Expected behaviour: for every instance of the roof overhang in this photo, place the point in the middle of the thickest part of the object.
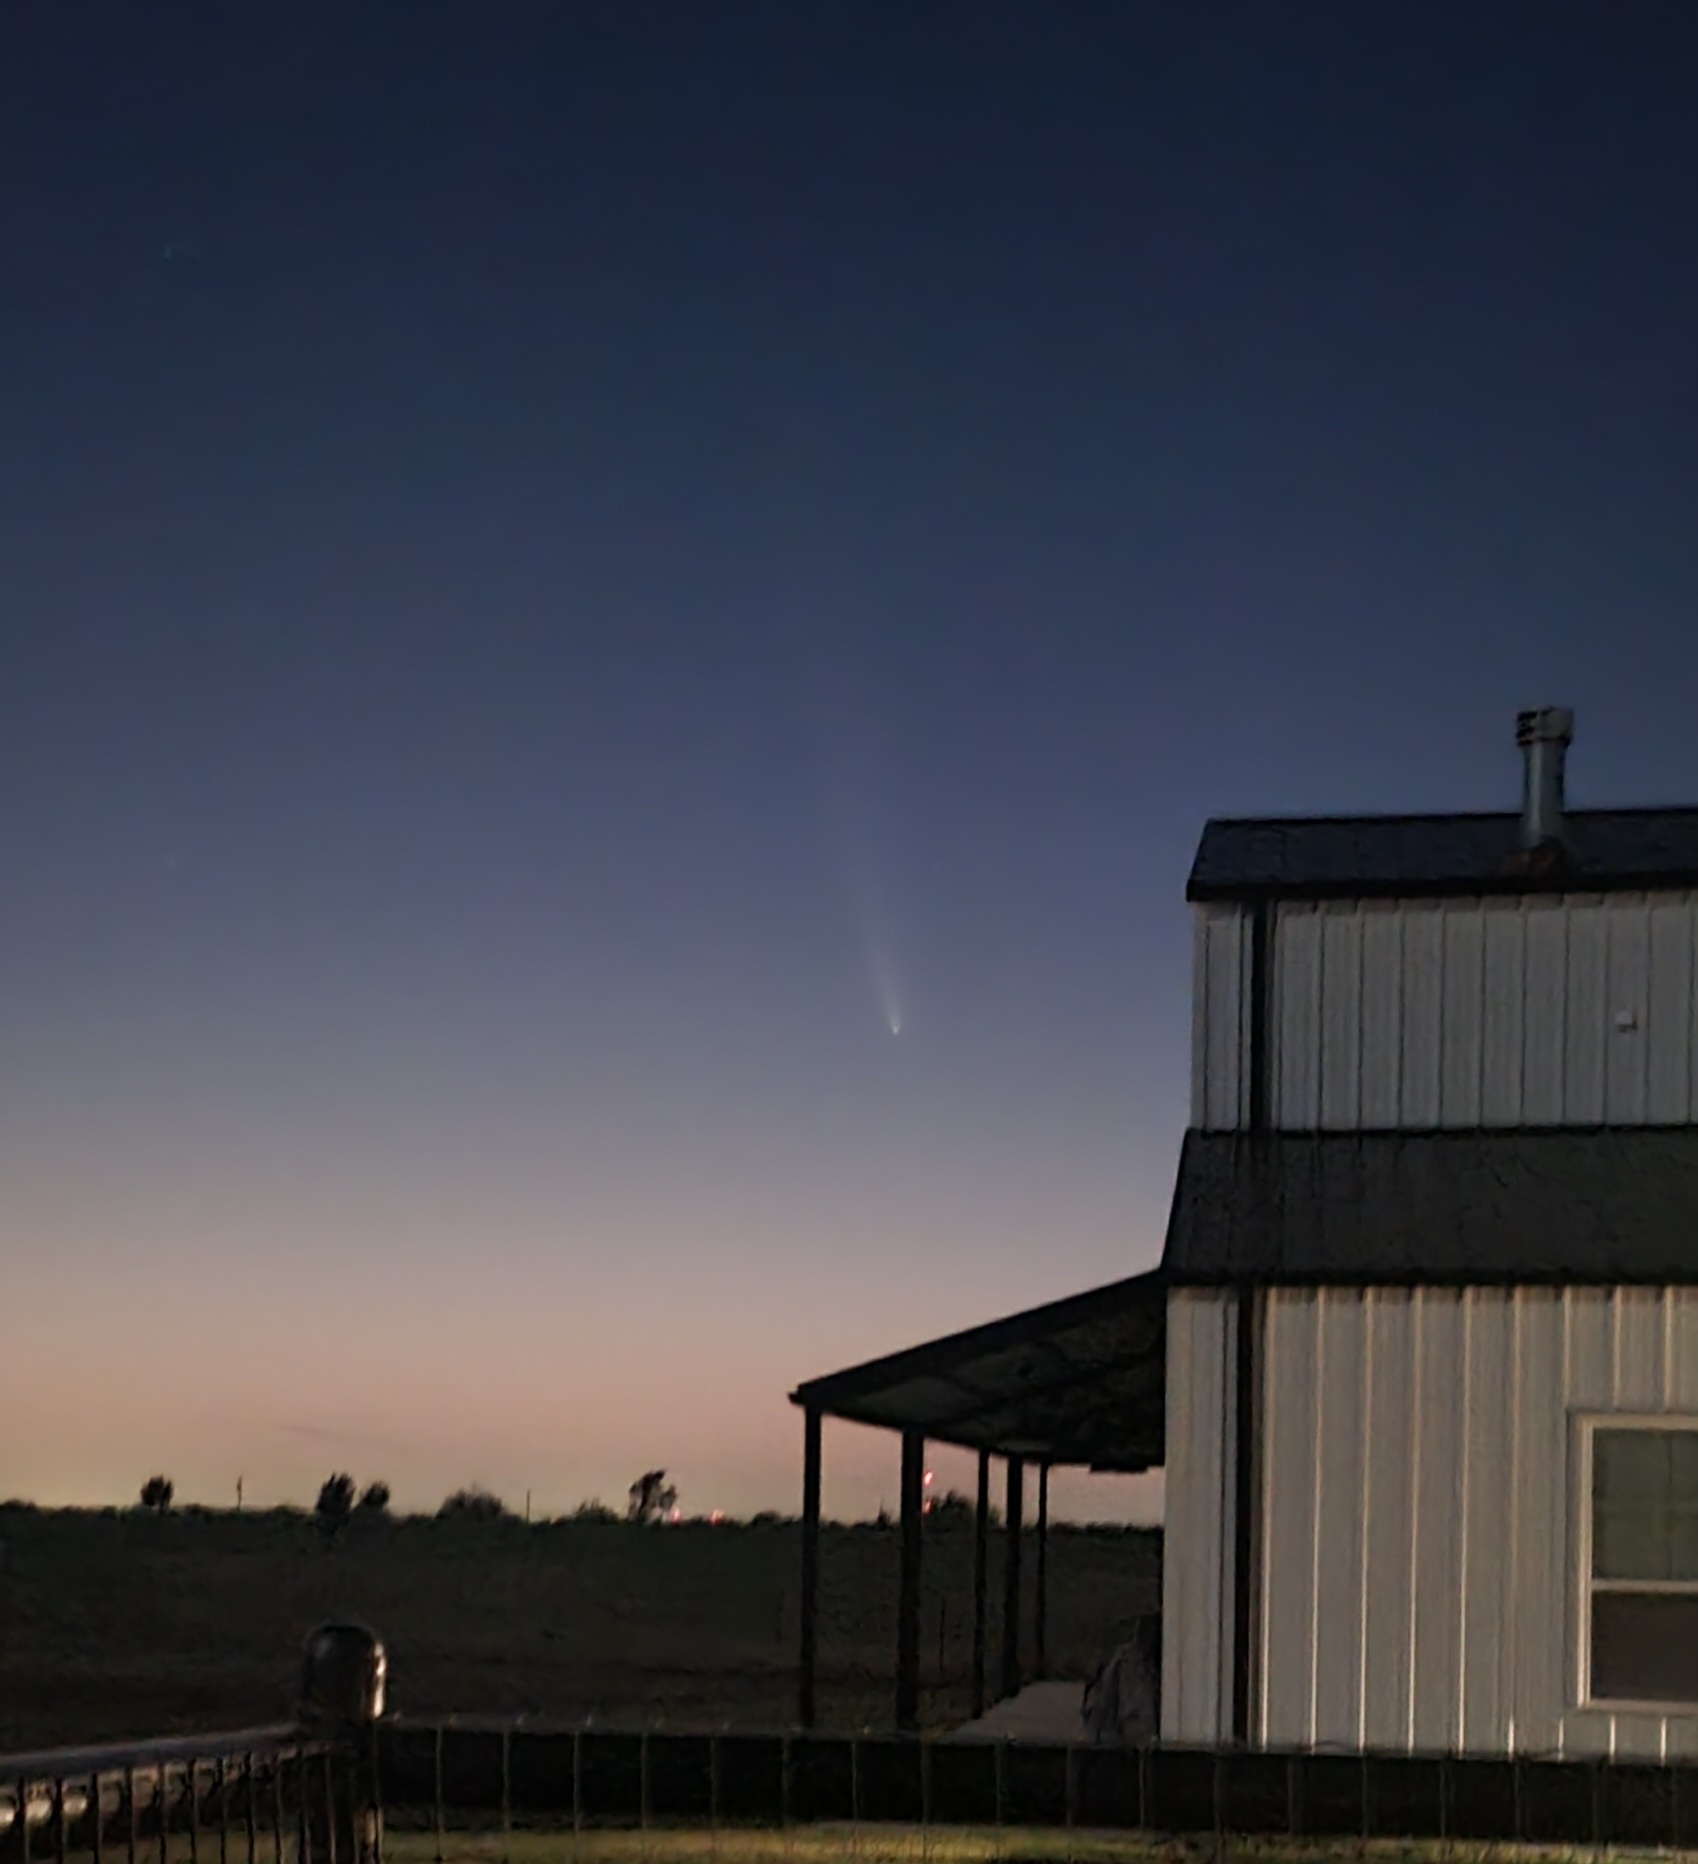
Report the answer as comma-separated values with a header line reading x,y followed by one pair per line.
x,y
1078,1382
1510,1206
1244,861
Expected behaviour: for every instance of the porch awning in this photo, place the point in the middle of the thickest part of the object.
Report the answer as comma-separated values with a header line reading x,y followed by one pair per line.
x,y
1079,1382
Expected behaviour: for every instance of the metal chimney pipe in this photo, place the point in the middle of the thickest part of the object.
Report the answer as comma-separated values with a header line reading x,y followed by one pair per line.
x,y
1544,734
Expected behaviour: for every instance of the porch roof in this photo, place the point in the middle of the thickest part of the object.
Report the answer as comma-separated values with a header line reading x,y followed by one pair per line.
x,y
1079,1382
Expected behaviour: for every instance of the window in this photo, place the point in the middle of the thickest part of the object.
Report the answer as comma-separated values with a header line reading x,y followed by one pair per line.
x,y
1644,1563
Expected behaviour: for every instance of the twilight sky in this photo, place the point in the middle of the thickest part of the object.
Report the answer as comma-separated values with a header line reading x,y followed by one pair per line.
x,y
565,566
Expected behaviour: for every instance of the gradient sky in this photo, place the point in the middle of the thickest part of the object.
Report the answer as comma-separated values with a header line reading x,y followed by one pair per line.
x,y
563,565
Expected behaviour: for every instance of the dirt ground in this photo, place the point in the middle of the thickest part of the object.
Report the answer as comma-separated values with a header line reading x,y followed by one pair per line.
x,y
116,1625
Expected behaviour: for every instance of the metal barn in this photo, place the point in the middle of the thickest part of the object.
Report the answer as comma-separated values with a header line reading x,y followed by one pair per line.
x,y
1433,1255
1431,1287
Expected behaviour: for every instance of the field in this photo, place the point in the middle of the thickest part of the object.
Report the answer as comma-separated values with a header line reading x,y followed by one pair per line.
x,y
116,1625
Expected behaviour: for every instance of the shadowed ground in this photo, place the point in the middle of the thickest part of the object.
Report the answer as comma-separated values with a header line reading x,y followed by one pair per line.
x,y
117,1625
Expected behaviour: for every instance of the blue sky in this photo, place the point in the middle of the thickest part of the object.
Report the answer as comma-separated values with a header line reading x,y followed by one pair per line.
x,y
566,567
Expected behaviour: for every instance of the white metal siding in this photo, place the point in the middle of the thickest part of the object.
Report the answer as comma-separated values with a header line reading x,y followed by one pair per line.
x,y
1420,1577
1197,1514
1220,1018
1576,1010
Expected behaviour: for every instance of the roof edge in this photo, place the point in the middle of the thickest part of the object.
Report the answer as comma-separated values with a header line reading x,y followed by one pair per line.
x,y
844,1387
1579,878
1681,1276
1486,886
1378,818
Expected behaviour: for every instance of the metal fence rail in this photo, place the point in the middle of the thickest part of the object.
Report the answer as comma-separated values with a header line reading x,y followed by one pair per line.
x,y
256,1794
437,1774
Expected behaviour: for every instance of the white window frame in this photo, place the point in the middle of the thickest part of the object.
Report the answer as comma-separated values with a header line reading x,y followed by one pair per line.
x,y
1590,1425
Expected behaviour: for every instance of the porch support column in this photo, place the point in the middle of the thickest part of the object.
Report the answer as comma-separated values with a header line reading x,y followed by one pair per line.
x,y
981,1582
908,1598
1040,1631
1011,1578
809,1654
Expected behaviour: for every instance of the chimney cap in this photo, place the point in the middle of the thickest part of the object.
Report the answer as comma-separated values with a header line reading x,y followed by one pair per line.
x,y
1544,734
1545,724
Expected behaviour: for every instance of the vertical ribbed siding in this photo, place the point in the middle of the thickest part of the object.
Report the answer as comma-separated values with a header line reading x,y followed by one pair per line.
x,y
1197,1577
1220,1015
1420,1577
1388,1503
1576,1010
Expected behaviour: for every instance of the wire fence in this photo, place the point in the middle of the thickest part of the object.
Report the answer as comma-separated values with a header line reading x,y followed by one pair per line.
x,y
504,1785
348,1784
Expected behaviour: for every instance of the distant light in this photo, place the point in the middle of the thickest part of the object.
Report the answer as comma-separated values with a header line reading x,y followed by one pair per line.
x,y
716,1517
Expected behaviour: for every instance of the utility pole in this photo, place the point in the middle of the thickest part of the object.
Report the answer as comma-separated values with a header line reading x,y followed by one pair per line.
x,y
238,1495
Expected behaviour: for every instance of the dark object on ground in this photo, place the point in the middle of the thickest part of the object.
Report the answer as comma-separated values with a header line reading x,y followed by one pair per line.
x,y
1123,1700
343,1678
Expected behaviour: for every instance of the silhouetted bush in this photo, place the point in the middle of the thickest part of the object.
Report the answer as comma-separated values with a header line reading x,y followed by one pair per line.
x,y
157,1493
652,1498
375,1500
335,1500
473,1504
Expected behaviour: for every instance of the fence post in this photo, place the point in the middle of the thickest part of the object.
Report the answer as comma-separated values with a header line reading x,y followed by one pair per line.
x,y
344,1674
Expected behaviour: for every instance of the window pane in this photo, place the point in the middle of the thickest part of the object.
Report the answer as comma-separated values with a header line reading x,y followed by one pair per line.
x,y
1644,1647
1630,1468
1645,1504
1683,1467
1631,1546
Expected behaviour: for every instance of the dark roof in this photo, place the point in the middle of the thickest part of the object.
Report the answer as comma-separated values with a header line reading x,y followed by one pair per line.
x,y
1079,1381
1355,856
1554,1204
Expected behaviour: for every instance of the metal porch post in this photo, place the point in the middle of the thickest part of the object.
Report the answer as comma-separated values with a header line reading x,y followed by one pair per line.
x,y
1011,1578
1040,1632
809,1652
981,1585
908,1600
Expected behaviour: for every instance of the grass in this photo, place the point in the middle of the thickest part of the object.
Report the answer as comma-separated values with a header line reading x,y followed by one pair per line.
x,y
116,1626
896,1844
872,1844
878,1844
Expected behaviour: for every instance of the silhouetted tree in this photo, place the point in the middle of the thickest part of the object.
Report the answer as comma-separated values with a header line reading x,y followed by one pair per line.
x,y
597,1511
158,1493
375,1500
335,1500
652,1497
473,1504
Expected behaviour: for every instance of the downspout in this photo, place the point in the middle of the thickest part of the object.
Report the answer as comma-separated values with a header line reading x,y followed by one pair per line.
x,y
1247,1369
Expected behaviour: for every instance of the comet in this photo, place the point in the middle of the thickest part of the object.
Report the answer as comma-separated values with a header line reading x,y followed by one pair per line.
x,y
884,984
